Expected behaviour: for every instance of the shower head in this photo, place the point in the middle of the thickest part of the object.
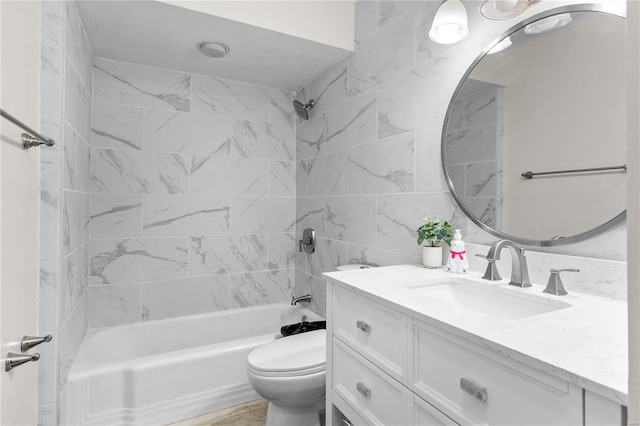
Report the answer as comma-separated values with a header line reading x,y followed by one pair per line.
x,y
303,109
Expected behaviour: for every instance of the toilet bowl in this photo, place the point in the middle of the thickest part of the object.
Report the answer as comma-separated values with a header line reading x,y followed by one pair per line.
x,y
290,373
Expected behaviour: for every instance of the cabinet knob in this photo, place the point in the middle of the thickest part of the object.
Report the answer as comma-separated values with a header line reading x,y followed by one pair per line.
x,y
473,389
363,389
363,326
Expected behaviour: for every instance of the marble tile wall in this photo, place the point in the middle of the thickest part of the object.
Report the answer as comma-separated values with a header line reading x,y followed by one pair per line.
x,y
192,194
368,159
66,87
474,147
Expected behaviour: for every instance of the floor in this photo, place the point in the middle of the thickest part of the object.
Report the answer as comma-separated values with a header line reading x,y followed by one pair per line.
x,y
252,413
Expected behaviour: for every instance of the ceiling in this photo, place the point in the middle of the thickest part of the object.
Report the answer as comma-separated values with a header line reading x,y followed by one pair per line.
x,y
163,35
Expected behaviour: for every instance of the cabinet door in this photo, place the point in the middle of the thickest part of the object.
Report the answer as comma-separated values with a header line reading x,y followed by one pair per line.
x,y
599,411
476,386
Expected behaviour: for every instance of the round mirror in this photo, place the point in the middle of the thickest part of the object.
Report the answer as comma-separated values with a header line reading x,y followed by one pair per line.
x,y
534,141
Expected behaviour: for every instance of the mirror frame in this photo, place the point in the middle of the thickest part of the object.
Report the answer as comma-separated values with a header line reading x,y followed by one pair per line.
x,y
616,221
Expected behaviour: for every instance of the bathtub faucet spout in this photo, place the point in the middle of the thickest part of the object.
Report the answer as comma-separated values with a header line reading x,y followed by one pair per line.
x,y
305,298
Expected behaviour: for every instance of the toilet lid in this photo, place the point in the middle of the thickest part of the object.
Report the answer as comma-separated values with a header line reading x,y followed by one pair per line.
x,y
303,353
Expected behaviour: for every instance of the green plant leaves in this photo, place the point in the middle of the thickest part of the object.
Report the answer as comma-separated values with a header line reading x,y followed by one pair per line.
x,y
434,231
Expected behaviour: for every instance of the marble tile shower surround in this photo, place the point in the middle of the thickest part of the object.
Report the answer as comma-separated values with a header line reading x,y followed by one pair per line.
x,y
368,159
66,87
474,149
193,194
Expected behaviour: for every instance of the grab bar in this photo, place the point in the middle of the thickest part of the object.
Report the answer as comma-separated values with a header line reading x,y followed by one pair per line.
x,y
530,174
28,141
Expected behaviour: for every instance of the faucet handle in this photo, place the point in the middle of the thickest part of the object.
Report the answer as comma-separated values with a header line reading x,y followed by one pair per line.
x,y
492,270
554,285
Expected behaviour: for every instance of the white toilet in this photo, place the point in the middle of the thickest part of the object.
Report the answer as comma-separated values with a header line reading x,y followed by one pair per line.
x,y
290,373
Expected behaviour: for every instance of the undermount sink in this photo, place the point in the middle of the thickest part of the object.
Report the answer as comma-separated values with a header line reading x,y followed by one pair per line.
x,y
486,298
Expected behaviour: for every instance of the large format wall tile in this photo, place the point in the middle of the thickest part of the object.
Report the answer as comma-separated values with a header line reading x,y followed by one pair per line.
x,y
77,102
116,216
251,215
385,55
351,123
49,224
132,84
282,178
187,133
429,175
327,174
281,109
136,172
229,176
119,261
386,166
267,141
351,219
310,137
328,90
111,305
75,220
227,253
282,251
70,338
186,296
308,284
116,126
260,288
227,98
400,215
170,215
51,81
419,97
328,256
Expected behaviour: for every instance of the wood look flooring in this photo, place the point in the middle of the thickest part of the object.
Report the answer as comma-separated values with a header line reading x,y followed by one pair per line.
x,y
252,413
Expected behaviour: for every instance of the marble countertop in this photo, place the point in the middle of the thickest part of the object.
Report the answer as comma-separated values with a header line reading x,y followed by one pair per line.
x,y
585,344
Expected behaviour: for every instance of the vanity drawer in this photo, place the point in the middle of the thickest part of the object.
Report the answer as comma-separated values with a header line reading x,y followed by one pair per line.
x,y
374,395
425,414
379,333
466,382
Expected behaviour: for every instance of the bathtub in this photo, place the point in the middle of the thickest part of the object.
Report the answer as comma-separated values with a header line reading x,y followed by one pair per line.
x,y
158,372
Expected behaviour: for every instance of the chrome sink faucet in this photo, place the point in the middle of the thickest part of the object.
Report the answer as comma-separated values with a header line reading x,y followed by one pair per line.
x,y
519,271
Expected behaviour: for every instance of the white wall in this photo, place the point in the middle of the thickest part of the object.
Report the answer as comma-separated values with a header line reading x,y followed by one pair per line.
x,y
327,22
633,209
19,95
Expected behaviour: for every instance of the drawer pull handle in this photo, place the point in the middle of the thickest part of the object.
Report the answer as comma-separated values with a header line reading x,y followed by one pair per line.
x,y
363,326
473,388
363,389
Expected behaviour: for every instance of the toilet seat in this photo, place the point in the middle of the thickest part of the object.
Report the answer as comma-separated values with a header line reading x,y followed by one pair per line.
x,y
297,355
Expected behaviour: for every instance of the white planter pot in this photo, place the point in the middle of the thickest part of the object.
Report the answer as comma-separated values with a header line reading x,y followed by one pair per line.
x,y
432,257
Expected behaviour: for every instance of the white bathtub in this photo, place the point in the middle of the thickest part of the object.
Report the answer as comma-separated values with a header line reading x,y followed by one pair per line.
x,y
158,372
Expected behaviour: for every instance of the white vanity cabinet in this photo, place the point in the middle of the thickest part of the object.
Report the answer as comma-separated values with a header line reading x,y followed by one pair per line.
x,y
386,367
474,385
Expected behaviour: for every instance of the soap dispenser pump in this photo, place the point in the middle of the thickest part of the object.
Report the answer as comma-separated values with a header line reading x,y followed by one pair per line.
x,y
457,261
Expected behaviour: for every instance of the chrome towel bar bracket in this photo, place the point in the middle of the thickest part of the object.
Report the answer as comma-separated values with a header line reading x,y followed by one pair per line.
x,y
31,139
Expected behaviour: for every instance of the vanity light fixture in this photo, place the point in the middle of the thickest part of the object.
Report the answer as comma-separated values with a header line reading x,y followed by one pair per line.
x,y
450,23
504,9
550,23
500,46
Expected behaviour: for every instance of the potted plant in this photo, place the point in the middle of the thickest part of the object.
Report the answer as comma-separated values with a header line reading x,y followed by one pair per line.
x,y
432,233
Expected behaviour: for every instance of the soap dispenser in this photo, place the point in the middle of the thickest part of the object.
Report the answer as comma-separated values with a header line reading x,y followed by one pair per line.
x,y
457,261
